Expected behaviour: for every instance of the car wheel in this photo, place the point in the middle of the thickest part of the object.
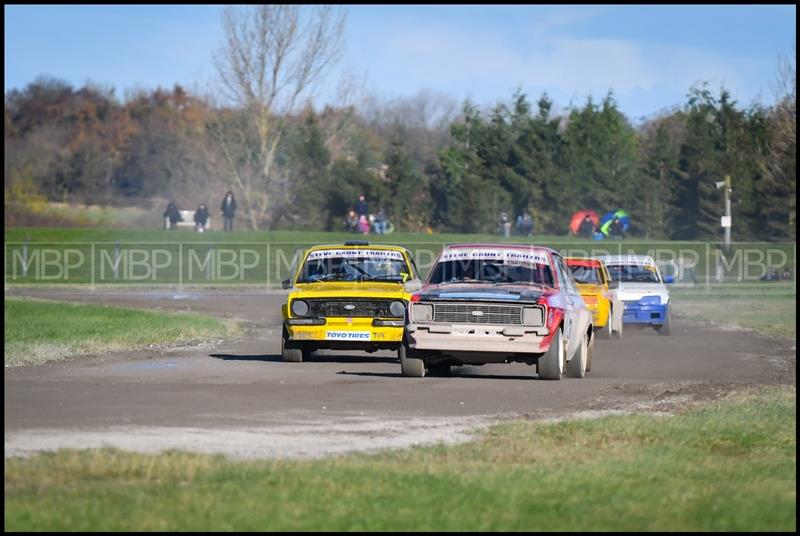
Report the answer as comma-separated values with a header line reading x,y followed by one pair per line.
x,y
440,369
410,366
590,353
291,351
576,367
666,327
551,364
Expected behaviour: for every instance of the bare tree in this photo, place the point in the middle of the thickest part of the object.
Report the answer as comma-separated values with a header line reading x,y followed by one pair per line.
x,y
781,160
272,59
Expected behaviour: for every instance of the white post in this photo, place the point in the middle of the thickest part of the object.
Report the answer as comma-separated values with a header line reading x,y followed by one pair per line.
x,y
728,211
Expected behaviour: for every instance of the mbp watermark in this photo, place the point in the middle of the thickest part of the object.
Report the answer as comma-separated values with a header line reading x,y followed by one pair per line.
x,y
268,263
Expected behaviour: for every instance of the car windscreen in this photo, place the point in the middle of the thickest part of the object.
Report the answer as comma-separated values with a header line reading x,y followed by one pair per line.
x,y
354,265
492,271
633,273
586,274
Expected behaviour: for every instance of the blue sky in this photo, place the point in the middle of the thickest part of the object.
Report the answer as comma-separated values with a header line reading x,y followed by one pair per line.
x,y
648,55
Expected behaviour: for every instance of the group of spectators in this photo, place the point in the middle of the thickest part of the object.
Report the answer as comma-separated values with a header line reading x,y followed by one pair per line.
x,y
587,228
172,216
359,219
773,274
524,225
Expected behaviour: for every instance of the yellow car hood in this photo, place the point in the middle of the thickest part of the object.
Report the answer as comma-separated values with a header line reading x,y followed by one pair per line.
x,y
351,289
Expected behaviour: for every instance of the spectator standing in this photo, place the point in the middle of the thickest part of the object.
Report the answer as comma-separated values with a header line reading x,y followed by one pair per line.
x,y
172,215
616,230
524,224
586,228
228,210
504,225
201,218
362,207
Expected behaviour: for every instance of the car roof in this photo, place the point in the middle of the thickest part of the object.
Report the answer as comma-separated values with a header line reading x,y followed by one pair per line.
x,y
501,246
627,259
583,261
358,246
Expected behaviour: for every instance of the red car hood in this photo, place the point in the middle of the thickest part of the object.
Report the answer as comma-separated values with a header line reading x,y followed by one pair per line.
x,y
483,292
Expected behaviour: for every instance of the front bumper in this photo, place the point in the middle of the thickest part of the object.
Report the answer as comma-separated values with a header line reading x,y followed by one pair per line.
x,y
348,330
637,312
477,338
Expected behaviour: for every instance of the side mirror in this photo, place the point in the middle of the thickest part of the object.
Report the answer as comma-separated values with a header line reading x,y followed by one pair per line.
x,y
613,284
412,285
668,279
286,283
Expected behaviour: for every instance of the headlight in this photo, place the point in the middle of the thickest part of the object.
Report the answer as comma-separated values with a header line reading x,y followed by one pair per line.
x,y
422,312
299,308
397,308
532,316
650,300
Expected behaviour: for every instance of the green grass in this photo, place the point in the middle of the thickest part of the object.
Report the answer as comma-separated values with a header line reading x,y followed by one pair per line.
x,y
769,308
274,250
37,331
726,466
95,215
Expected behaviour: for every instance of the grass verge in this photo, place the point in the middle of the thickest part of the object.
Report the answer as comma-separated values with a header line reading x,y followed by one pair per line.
x,y
725,466
37,331
770,310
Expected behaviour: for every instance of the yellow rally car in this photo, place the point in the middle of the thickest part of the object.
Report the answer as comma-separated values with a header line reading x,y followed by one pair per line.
x,y
348,297
598,291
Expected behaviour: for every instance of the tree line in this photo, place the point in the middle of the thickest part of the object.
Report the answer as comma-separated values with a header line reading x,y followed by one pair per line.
x,y
450,170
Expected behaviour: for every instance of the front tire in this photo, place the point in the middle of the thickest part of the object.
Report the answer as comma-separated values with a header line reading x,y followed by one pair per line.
x,y
551,364
666,327
576,367
410,366
291,351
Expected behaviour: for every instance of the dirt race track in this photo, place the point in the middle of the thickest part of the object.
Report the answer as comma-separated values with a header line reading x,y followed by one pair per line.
x,y
238,397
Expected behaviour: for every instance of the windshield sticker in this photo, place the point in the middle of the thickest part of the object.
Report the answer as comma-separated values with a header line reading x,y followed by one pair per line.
x,y
379,254
508,256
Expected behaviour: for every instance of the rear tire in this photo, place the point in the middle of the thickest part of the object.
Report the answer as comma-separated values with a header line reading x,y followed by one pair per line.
x,y
576,367
551,364
410,366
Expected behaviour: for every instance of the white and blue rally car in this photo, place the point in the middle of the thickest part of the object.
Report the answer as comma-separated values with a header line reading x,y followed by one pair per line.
x,y
642,290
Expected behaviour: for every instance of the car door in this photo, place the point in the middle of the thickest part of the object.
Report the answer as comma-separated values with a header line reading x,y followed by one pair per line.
x,y
577,316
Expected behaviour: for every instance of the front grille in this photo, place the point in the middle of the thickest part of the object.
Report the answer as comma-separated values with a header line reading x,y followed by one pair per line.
x,y
349,308
462,313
